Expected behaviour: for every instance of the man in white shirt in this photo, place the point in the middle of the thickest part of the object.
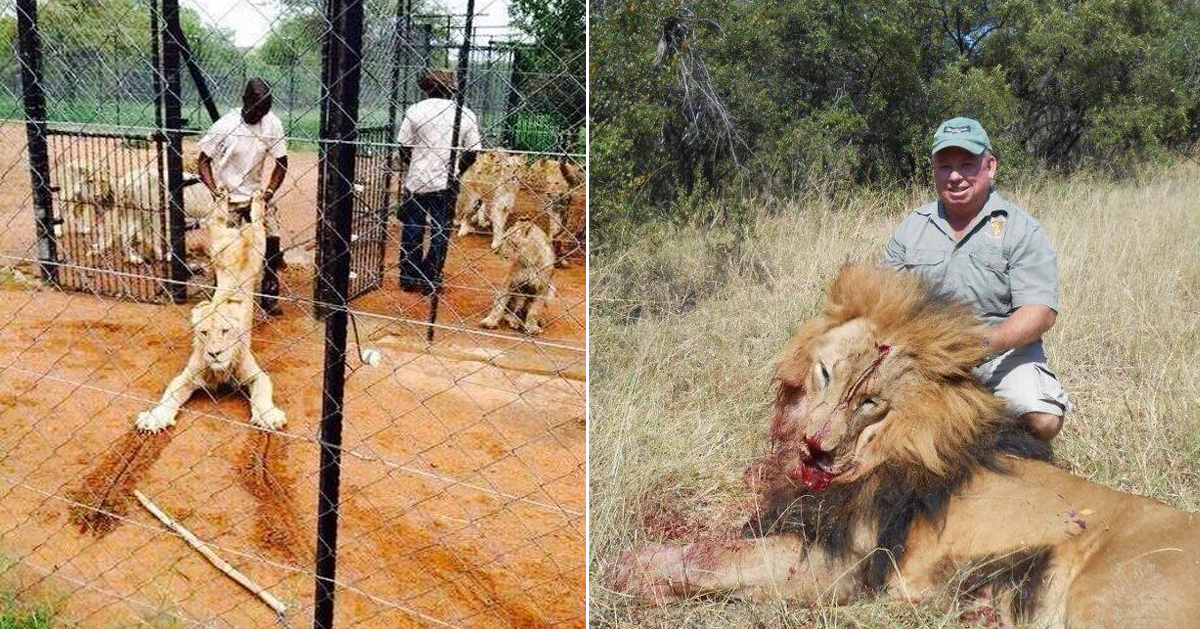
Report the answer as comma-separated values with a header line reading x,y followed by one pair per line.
x,y
232,155
429,192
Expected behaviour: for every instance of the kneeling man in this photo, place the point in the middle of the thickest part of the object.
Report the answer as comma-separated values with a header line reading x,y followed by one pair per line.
x,y
979,247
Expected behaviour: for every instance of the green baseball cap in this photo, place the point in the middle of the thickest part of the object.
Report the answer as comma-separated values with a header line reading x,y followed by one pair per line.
x,y
963,133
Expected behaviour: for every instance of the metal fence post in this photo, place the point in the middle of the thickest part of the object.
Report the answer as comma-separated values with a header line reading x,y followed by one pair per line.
x,y
400,41
172,130
464,57
514,99
343,45
30,43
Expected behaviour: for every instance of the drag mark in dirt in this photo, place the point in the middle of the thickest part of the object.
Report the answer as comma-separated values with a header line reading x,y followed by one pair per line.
x,y
105,493
410,556
264,474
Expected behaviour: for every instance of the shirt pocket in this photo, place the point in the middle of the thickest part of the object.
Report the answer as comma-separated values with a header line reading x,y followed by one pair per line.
x,y
987,279
929,263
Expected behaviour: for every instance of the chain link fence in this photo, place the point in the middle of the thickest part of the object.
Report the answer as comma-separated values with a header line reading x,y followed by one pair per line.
x,y
403,443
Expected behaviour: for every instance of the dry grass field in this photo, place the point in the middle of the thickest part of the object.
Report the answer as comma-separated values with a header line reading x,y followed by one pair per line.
x,y
684,332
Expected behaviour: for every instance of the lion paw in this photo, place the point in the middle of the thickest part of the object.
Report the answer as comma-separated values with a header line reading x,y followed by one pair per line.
x,y
490,323
532,329
272,419
154,420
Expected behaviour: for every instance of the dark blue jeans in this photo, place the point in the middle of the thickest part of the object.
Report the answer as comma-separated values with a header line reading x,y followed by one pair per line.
x,y
433,211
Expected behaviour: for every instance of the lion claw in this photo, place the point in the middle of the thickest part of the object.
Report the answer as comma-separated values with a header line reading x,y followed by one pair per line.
x,y
272,419
153,421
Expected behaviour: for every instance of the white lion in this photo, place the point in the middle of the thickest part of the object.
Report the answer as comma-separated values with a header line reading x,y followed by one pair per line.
x,y
236,244
84,193
134,218
528,284
220,355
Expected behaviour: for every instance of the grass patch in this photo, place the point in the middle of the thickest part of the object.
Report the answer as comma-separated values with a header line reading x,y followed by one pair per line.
x,y
685,328
16,615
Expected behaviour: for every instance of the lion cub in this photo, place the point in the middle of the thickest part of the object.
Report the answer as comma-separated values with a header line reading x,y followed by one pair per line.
x,y
528,285
220,355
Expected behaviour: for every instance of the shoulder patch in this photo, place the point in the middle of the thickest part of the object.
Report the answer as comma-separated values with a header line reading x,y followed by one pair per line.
x,y
996,226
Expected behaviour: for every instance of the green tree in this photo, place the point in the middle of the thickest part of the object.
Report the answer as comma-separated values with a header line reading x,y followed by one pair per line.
x,y
556,60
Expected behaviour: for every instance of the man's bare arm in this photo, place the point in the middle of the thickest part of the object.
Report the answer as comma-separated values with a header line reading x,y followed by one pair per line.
x,y
1024,326
277,175
204,166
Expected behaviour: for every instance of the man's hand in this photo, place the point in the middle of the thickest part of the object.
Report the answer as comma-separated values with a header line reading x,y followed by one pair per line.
x,y
1024,326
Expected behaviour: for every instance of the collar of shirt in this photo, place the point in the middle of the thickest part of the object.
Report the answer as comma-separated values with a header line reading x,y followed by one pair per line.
x,y
936,215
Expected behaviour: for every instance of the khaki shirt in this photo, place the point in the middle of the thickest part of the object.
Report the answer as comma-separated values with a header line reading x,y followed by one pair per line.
x,y
1004,260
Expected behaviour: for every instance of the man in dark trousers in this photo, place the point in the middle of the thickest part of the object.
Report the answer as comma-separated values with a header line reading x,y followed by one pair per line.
x,y
429,192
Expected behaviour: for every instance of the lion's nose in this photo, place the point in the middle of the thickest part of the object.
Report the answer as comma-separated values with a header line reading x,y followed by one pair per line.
x,y
213,355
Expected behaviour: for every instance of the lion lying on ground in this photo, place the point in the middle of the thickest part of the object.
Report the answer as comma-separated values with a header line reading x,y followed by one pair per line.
x,y
894,471
134,218
220,355
84,192
527,287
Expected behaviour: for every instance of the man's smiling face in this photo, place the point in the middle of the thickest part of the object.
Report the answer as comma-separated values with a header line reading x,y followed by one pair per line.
x,y
963,179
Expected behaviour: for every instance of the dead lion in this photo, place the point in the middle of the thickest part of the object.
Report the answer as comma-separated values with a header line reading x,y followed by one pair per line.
x,y
894,471
220,355
527,288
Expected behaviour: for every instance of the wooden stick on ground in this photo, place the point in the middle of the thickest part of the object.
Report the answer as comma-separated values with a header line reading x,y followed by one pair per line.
x,y
212,557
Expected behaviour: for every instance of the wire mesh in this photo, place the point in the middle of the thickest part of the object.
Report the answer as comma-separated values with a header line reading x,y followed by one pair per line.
x,y
462,492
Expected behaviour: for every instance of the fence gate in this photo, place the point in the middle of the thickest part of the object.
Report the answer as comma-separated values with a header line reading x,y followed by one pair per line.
x,y
110,213
368,236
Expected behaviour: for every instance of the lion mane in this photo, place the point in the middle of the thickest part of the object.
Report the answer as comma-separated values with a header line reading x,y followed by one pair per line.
x,y
924,467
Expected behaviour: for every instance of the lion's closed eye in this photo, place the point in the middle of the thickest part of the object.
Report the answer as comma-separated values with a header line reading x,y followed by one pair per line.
x,y
823,375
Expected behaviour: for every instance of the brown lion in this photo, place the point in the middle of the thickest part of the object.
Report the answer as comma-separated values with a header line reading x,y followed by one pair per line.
x,y
528,287
893,471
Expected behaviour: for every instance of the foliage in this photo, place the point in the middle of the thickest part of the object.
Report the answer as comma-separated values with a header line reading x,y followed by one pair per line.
x,y
829,94
559,30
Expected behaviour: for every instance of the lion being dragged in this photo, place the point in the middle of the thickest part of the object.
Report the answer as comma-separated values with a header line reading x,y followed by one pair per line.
x,y
893,471
221,327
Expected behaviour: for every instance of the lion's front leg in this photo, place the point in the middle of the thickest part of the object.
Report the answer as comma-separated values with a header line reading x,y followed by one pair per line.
x,y
498,211
777,566
493,319
533,314
263,411
178,391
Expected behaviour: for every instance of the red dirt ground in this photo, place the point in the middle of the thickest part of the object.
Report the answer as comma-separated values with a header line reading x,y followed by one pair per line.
x,y
463,474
